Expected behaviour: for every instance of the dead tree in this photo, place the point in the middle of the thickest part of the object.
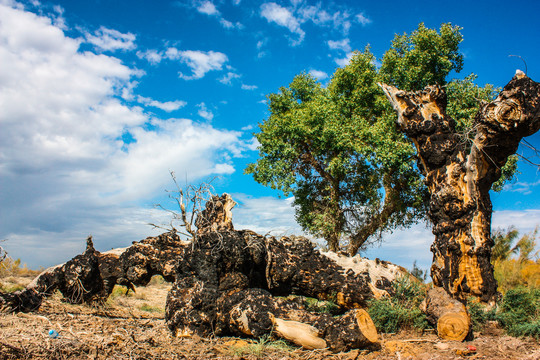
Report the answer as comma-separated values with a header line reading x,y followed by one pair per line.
x,y
91,276
459,172
229,281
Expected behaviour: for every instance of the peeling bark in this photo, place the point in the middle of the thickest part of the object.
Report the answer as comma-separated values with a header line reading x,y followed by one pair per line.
x,y
459,173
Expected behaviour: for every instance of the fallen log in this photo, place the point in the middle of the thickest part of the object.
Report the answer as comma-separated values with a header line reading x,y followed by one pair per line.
x,y
449,315
214,273
91,276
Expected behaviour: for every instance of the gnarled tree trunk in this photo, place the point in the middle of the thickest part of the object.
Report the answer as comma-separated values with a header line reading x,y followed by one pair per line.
x,y
459,173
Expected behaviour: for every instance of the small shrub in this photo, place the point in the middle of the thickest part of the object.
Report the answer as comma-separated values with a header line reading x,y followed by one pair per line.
x,y
119,291
11,288
401,310
519,312
150,308
480,314
321,306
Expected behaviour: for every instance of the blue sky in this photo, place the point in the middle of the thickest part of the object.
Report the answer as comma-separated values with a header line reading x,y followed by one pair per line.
x,y
100,99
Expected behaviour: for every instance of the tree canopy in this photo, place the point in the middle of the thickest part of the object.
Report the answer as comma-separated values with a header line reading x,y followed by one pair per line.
x,y
337,150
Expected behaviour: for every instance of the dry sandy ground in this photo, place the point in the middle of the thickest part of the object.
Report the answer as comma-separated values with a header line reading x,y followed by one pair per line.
x,y
132,327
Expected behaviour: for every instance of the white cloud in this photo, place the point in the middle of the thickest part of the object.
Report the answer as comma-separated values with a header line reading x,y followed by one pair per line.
x,y
343,45
265,215
236,2
204,112
339,19
66,172
110,39
200,62
249,87
208,8
273,12
318,74
152,56
363,19
344,61
227,78
167,106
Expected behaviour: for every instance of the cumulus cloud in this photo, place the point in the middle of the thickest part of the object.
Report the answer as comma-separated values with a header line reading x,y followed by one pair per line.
x,y
344,61
208,8
343,45
228,78
109,40
318,74
152,56
363,19
249,87
204,112
275,13
66,169
200,62
167,106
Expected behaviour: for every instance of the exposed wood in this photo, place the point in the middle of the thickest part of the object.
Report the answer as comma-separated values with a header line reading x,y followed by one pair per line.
x,y
299,333
459,172
449,315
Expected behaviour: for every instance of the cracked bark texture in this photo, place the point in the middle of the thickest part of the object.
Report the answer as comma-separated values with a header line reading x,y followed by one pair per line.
x,y
459,172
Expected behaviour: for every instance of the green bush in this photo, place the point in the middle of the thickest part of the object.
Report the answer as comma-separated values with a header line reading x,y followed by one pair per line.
x,y
401,310
480,314
519,312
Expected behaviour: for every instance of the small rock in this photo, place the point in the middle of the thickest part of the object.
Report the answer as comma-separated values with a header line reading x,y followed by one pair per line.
x,y
442,346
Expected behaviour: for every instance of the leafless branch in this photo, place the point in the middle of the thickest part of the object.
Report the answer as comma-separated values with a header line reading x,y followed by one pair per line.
x,y
190,201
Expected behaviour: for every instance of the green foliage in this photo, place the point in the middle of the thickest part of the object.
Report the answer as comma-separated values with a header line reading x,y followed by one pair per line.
x,y
464,98
519,312
401,310
480,313
425,57
321,306
418,273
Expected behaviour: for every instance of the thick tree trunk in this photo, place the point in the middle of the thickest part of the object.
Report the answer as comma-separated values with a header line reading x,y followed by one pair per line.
x,y
449,315
459,173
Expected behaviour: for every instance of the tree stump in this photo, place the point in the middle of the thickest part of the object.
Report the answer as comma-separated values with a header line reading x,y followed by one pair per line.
x,y
450,315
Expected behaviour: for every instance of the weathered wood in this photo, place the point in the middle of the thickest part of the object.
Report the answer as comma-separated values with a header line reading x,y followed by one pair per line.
x,y
256,312
459,173
449,315
295,267
91,276
229,282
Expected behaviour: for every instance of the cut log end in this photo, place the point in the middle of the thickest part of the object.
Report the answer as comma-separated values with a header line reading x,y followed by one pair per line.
x,y
366,325
453,326
299,333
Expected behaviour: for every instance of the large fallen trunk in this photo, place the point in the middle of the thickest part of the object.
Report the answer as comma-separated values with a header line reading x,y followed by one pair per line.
x,y
459,173
228,282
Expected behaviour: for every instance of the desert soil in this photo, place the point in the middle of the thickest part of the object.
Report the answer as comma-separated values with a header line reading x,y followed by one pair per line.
x,y
133,327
